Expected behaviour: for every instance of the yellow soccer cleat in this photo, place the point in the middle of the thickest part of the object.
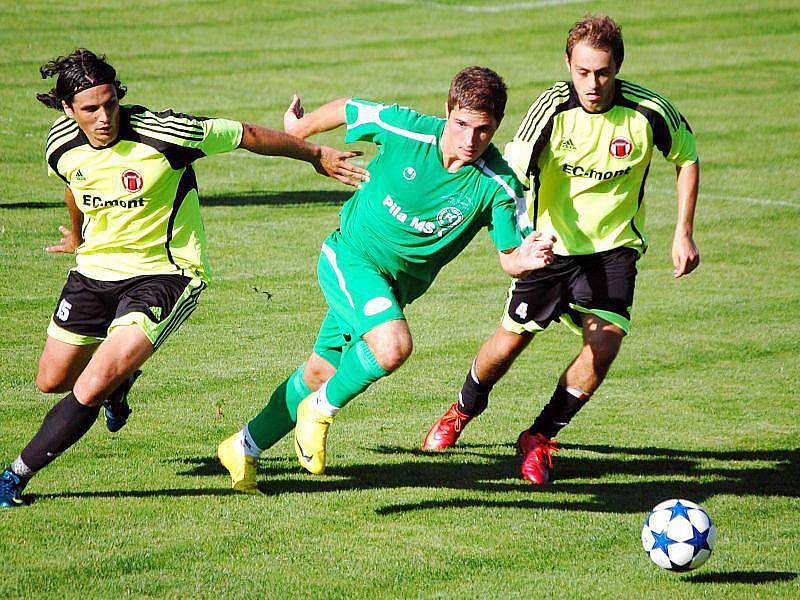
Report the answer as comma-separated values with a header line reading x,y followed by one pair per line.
x,y
310,435
241,466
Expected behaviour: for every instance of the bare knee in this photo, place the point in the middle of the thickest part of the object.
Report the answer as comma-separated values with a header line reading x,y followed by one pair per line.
x,y
506,346
317,371
49,382
393,352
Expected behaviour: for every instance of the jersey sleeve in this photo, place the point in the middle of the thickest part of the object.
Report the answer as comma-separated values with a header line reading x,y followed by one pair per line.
x,y
220,135
672,134
683,150
535,130
518,155
372,122
64,134
186,138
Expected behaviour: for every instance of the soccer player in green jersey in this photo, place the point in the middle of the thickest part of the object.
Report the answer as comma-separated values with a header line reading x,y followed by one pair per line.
x,y
432,186
139,241
584,150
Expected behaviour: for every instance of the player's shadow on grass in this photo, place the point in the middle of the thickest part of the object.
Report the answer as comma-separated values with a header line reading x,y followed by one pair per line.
x,y
752,577
327,197
183,492
656,473
660,473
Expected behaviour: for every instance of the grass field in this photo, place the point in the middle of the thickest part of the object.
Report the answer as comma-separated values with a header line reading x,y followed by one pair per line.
x,y
701,403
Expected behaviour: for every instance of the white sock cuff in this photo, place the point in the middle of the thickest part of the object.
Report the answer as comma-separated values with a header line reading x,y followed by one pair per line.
x,y
248,445
321,402
578,393
473,374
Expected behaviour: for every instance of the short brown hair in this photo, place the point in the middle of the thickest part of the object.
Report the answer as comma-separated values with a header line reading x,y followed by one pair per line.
x,y
600,31
478,88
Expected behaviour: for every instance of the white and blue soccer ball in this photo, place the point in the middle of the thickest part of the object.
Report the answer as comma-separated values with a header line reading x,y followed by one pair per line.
x,y
678,535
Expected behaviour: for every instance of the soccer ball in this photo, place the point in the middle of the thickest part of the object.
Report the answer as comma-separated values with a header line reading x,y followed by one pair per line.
x,y
678,535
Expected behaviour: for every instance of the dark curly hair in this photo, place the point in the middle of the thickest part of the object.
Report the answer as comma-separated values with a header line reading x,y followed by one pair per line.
x,y
76,72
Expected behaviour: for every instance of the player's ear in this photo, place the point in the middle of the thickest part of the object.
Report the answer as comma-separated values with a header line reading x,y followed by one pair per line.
x,y
566,60
67,109
446,110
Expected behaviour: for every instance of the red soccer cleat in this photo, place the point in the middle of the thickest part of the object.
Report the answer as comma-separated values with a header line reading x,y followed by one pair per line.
x,y
445,431
536,456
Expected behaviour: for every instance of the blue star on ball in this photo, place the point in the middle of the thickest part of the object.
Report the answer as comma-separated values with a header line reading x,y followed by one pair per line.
x,y
680,510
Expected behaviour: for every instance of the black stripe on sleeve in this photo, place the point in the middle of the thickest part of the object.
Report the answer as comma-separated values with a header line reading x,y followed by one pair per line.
x,y
535,111
60,128
61,137
137,126
669,111
666,104
57,153
168,126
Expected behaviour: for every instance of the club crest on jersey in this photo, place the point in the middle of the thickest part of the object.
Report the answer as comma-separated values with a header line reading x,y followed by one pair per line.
x,y
409,173
132,181
620,147
449,217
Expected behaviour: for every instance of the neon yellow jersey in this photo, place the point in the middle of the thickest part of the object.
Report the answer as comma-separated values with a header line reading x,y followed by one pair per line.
x,y
139,195
586,172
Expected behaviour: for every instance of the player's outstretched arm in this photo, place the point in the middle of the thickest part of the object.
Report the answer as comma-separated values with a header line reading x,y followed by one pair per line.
x,y
327,117
535,252
685,255
327,161
72,237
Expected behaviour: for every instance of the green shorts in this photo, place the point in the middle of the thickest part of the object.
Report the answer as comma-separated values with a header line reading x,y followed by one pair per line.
x,y
360,297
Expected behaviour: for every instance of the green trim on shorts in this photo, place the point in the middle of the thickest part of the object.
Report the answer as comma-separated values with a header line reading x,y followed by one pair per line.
x,y
73,339
158,332
606,315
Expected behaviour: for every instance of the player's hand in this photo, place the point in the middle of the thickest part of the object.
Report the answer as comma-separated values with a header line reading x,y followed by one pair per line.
x,y
68,244
292,116
685,255
334,163
536,251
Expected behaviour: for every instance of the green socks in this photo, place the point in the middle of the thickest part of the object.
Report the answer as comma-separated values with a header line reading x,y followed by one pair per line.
x,y
358,370
278,417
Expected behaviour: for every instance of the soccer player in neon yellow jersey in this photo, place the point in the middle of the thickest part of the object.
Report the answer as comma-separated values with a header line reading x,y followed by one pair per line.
x,y
138,238
433,185
584,149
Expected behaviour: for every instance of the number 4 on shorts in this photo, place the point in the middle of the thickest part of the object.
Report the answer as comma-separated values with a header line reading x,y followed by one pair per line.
x,y
522,310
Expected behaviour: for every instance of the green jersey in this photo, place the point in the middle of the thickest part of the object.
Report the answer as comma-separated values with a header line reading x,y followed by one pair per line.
x,y
413,216
139,194
587,171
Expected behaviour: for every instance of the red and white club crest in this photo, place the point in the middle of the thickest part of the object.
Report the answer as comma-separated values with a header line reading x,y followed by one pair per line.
x,y
132,181
620,147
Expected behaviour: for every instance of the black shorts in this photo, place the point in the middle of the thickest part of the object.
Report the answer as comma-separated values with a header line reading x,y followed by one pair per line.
x,y
88,308
601,284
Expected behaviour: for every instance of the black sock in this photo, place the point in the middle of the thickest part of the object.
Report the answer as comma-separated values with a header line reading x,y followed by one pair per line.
x,y
64,425
474,396
558,412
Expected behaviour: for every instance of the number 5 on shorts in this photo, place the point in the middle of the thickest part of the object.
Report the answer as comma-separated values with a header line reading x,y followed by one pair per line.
x,y
63,310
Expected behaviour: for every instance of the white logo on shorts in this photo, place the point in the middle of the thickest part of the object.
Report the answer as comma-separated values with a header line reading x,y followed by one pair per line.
x,y
409,173
376,305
